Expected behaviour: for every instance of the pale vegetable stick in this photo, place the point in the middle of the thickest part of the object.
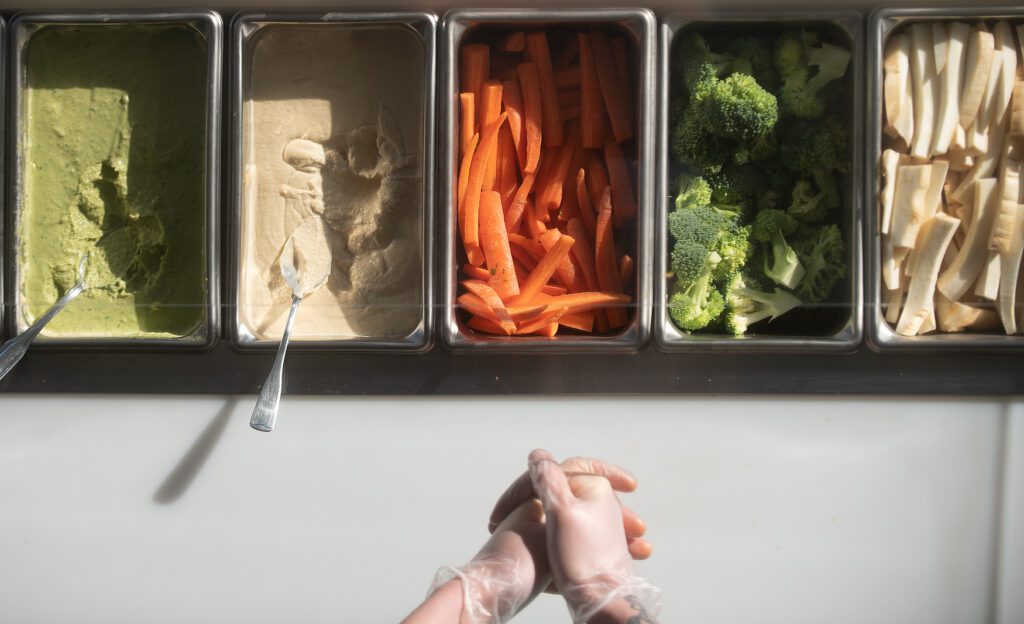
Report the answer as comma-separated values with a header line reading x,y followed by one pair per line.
x,y
1007,69
960,160
898,92
980,50
1001,238
933,198
890,163
957,317
910,208
959,142
1009,181
892,260
985,165
951,250
977,134
961,274
1009,272
925,81
919,305
950,81
894,305
1017,110
940,45
987,286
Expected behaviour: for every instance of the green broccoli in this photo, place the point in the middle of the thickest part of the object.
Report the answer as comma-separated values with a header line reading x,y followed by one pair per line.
x,y
693,145
756,150
692,191
795,56
747,304
807,206
739,108
734,184
733,248
823,255
756,59
696,65
695,306
771,227
700,224
818,150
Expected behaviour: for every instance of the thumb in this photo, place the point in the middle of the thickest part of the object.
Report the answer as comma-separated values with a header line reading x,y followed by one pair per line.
x,y
549,481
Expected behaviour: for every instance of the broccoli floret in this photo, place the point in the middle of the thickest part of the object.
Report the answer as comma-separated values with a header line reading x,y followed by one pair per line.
x,y
695,306
771,227
735,184
739,108
746,304
806,68
823,255
756,150
693,145
696,64
692,191
754,58
818,150
733,248
807,206
700,224
688,259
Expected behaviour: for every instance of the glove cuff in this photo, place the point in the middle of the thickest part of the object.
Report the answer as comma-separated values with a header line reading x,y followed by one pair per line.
x,y
490,589
591,596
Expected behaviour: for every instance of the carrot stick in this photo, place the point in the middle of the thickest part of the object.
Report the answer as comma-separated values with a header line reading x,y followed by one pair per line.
x,y
549,195
591,100
584,253
467,160
471,228
476,273
521,271
518,205
485,326
572,113
582,321
604,258
541,323
568,54
522,314
476,306
507,180
534,225
524,258
552,290
467,127
529,81
625,270
494,240
584,301
566,270
622,185
532,247
570,204
493,301
612,89
513,42
542,216
568,97
597,179
476,68
512,97
490,108
545,269
567,77
586,211
537,51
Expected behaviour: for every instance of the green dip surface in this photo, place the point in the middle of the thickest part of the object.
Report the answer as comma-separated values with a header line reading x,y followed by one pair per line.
x,y
114,158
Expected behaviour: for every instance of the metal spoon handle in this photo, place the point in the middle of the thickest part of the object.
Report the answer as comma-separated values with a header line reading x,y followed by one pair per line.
x,y
265,413
15,349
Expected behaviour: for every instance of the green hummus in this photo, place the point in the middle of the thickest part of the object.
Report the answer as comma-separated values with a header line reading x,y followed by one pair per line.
x,y
115,168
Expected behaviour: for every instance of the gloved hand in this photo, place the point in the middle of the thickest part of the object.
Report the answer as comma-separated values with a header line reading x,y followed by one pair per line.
x,y
586,544
620,480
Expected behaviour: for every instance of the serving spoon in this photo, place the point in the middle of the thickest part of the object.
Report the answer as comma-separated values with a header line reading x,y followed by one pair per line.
x,y
15,348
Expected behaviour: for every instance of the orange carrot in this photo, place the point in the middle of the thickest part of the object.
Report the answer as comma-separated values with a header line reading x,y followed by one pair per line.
x,y
622,186
612,90
493,301
567,77
568,97
521,271
552,290
542,216
584,253
467,160
512,98
625,270
529,81
591,100
476,68
572,113
542,322
597,179
529,245
476,273
522,314
582,321
485,326
620,51
524,258
568,54
570,204
476,306
537,52
548,163
467,127
549,195
490,108
566,270
534,225
585,301
494,240
586,211
513,42
471,223
604,258
518,205
545,269
507,180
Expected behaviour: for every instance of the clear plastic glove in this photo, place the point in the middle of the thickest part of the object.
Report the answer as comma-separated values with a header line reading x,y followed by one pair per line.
x,y
587,548
508,572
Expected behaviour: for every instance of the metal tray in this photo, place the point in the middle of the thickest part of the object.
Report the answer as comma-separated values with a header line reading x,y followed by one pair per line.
x,y
848,336
3,136
881,336
244,27
209,25
638,24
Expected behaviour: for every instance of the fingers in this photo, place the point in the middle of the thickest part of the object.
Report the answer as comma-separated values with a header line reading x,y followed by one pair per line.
x,y
549,481
639,548
633,524
515,495
620,478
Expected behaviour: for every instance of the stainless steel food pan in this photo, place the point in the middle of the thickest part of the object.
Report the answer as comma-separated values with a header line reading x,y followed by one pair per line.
x,y
246,30
882,336
208,24
844,332
638,26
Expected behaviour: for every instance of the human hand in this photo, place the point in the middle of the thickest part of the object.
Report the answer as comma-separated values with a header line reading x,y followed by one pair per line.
x,y
587,548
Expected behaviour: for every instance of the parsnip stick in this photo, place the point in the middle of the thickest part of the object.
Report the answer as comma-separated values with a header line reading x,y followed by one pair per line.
x,y
919,305
898,92
980,50
950,81
890,163
961,274
925,82
910,207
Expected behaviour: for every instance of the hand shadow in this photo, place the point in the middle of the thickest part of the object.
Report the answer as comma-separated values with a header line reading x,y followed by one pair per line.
x,y
185,472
